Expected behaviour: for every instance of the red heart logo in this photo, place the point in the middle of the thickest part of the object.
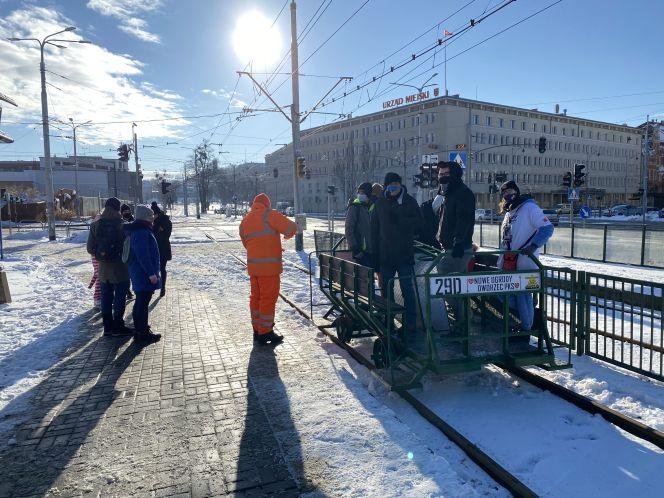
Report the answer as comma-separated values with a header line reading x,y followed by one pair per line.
x,y
471,280
516,285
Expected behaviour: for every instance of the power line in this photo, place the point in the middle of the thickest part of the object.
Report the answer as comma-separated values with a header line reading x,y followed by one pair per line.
x,y
596,98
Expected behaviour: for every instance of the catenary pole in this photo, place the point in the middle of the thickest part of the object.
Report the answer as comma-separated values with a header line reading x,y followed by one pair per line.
x,y
644,174
295,121
50,212
138,194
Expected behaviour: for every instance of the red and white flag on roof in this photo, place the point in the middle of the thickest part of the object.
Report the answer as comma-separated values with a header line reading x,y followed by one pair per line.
x,y
447,33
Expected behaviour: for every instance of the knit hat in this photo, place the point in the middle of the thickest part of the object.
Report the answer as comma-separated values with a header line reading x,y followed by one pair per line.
x,y
124,207
263,199
365,187
143,213
455,168
391,178
113,203
510,184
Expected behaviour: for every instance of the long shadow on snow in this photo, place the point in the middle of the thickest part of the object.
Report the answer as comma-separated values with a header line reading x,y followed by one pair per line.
x,y
33,469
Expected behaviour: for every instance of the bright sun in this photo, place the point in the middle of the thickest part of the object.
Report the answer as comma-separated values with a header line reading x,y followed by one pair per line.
x,y
255,40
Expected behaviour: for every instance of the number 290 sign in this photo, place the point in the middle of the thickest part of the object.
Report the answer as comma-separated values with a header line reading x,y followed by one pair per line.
x,y
485,284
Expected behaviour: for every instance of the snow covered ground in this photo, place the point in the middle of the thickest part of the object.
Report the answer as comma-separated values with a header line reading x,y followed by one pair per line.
x,y
372,441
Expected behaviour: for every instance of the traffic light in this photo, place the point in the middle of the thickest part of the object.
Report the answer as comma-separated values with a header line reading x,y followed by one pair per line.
x,y
301,167
567,179
501,177
542,145
165,187
123,153
331,189
579,175
490,179
428,177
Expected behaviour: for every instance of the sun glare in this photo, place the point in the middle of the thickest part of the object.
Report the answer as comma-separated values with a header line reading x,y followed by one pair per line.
x,y
255,40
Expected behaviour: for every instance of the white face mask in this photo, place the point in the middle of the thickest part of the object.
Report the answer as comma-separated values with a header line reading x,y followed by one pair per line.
x,y
363,197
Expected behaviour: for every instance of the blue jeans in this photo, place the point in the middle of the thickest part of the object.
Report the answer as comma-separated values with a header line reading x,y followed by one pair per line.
x,y
114,298
387,271
141,310
525,308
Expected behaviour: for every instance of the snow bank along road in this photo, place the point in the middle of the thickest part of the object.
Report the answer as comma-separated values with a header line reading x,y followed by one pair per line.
x,y
563,449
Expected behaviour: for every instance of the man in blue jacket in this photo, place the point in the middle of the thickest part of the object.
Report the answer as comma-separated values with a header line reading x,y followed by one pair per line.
x,y
143,271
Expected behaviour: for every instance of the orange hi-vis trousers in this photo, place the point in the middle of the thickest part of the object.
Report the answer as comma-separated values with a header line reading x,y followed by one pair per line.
x,y
263,301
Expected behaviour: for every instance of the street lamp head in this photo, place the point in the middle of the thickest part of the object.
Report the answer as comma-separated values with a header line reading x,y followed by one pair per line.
x,y
14,39
70,28
84,41
71,120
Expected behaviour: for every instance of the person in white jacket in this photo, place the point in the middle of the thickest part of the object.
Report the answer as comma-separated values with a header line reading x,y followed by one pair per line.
x,y
525,228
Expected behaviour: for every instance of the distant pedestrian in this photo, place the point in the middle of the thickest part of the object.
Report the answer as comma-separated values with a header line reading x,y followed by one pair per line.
x,y
394,227
144,270
125,210
105,243
259,232
376,192
525,228
358,226
162,228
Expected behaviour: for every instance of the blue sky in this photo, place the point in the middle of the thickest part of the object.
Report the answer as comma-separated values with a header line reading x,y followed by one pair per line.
x,y
159,59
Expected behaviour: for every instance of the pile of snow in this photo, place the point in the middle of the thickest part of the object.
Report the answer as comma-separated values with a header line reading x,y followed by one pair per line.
x,y
36,327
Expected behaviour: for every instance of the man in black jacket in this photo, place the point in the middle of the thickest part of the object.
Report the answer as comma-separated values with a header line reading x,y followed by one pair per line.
x,y
358,226
457,223
162,228
394,227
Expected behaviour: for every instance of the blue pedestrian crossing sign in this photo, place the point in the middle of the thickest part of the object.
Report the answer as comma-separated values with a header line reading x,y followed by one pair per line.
x,y
459,158
573,194
585,212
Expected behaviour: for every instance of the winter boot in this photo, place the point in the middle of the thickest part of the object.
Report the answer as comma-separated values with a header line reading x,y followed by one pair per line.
x,y
120,329
163,286
255,335
107,320
270,337
147,336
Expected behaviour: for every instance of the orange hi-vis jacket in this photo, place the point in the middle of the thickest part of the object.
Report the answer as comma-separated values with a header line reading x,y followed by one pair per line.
x,y
260,233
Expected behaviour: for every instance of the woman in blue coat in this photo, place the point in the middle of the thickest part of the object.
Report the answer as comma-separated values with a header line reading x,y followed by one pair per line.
x,y
143,270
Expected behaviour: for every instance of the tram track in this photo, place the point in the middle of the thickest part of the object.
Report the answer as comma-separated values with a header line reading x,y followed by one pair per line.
x,y
494,469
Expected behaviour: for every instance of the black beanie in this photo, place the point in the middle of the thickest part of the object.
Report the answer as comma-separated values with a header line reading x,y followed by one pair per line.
x,y
391,177
366,187
155,208
510,184
113,203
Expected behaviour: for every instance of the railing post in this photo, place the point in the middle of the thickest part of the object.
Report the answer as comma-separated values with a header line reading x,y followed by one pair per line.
x,y
481,234
571,250
581,293
604,238
643,245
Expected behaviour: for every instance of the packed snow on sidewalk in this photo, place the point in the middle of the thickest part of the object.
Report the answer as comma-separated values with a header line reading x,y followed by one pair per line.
x,y
37,326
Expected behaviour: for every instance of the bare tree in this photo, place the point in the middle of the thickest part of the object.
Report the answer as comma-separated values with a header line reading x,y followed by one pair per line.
x,y
205,168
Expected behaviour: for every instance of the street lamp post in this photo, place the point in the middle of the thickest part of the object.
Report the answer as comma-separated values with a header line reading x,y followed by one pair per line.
x,y
419,89
48,40
73,128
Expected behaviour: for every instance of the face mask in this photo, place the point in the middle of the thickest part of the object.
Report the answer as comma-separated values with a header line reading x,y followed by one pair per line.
x,y
444,180
362,198
509,197
392,189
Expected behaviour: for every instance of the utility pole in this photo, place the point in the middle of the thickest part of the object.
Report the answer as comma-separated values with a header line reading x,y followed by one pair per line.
x,y
138,194
185,189
295,122
644,175
234,194
198,193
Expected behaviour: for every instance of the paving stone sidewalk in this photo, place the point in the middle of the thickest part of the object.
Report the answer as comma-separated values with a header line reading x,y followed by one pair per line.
x,y
176,418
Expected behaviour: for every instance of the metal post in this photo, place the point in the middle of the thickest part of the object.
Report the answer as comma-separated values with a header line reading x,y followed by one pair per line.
x,y
295,121
329,216
48,176
138,194
198,193
185,189
234,194
75,166
644,179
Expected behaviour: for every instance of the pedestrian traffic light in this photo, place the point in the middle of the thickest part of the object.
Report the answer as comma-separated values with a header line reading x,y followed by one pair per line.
x,y
165,187
301,167
123,153
490,179
331,189
579,175
542,145
567,179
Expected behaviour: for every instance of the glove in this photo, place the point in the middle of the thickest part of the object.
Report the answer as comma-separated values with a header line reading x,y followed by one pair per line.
x,y
457,251
529,250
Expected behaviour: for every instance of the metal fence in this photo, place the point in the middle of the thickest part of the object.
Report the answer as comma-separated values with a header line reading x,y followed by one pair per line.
x,y
640,245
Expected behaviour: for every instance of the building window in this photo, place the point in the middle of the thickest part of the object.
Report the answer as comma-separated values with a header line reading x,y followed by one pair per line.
x,y
512,124
476,119
488,120
523,125
534,126
500,122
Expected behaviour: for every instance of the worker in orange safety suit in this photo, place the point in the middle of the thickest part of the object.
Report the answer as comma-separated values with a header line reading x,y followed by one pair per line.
x,y
260,233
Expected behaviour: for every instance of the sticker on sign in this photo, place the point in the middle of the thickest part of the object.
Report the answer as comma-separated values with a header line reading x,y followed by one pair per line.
x,y
484,284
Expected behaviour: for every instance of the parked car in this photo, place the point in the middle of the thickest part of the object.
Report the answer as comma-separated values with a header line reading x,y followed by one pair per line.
x,y
290,211
553,215
623,210
485,215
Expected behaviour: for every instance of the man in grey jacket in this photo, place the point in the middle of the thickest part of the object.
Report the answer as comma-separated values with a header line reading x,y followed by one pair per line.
x,y
105,243
358,226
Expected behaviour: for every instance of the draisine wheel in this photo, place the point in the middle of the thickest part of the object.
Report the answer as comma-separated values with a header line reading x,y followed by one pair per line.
x,y
380,355
344,329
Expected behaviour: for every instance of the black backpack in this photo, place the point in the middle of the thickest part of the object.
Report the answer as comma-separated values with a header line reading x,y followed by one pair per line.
x,y
109,240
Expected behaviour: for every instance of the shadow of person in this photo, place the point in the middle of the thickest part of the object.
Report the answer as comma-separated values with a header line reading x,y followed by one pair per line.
x,y
270,457
64,408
